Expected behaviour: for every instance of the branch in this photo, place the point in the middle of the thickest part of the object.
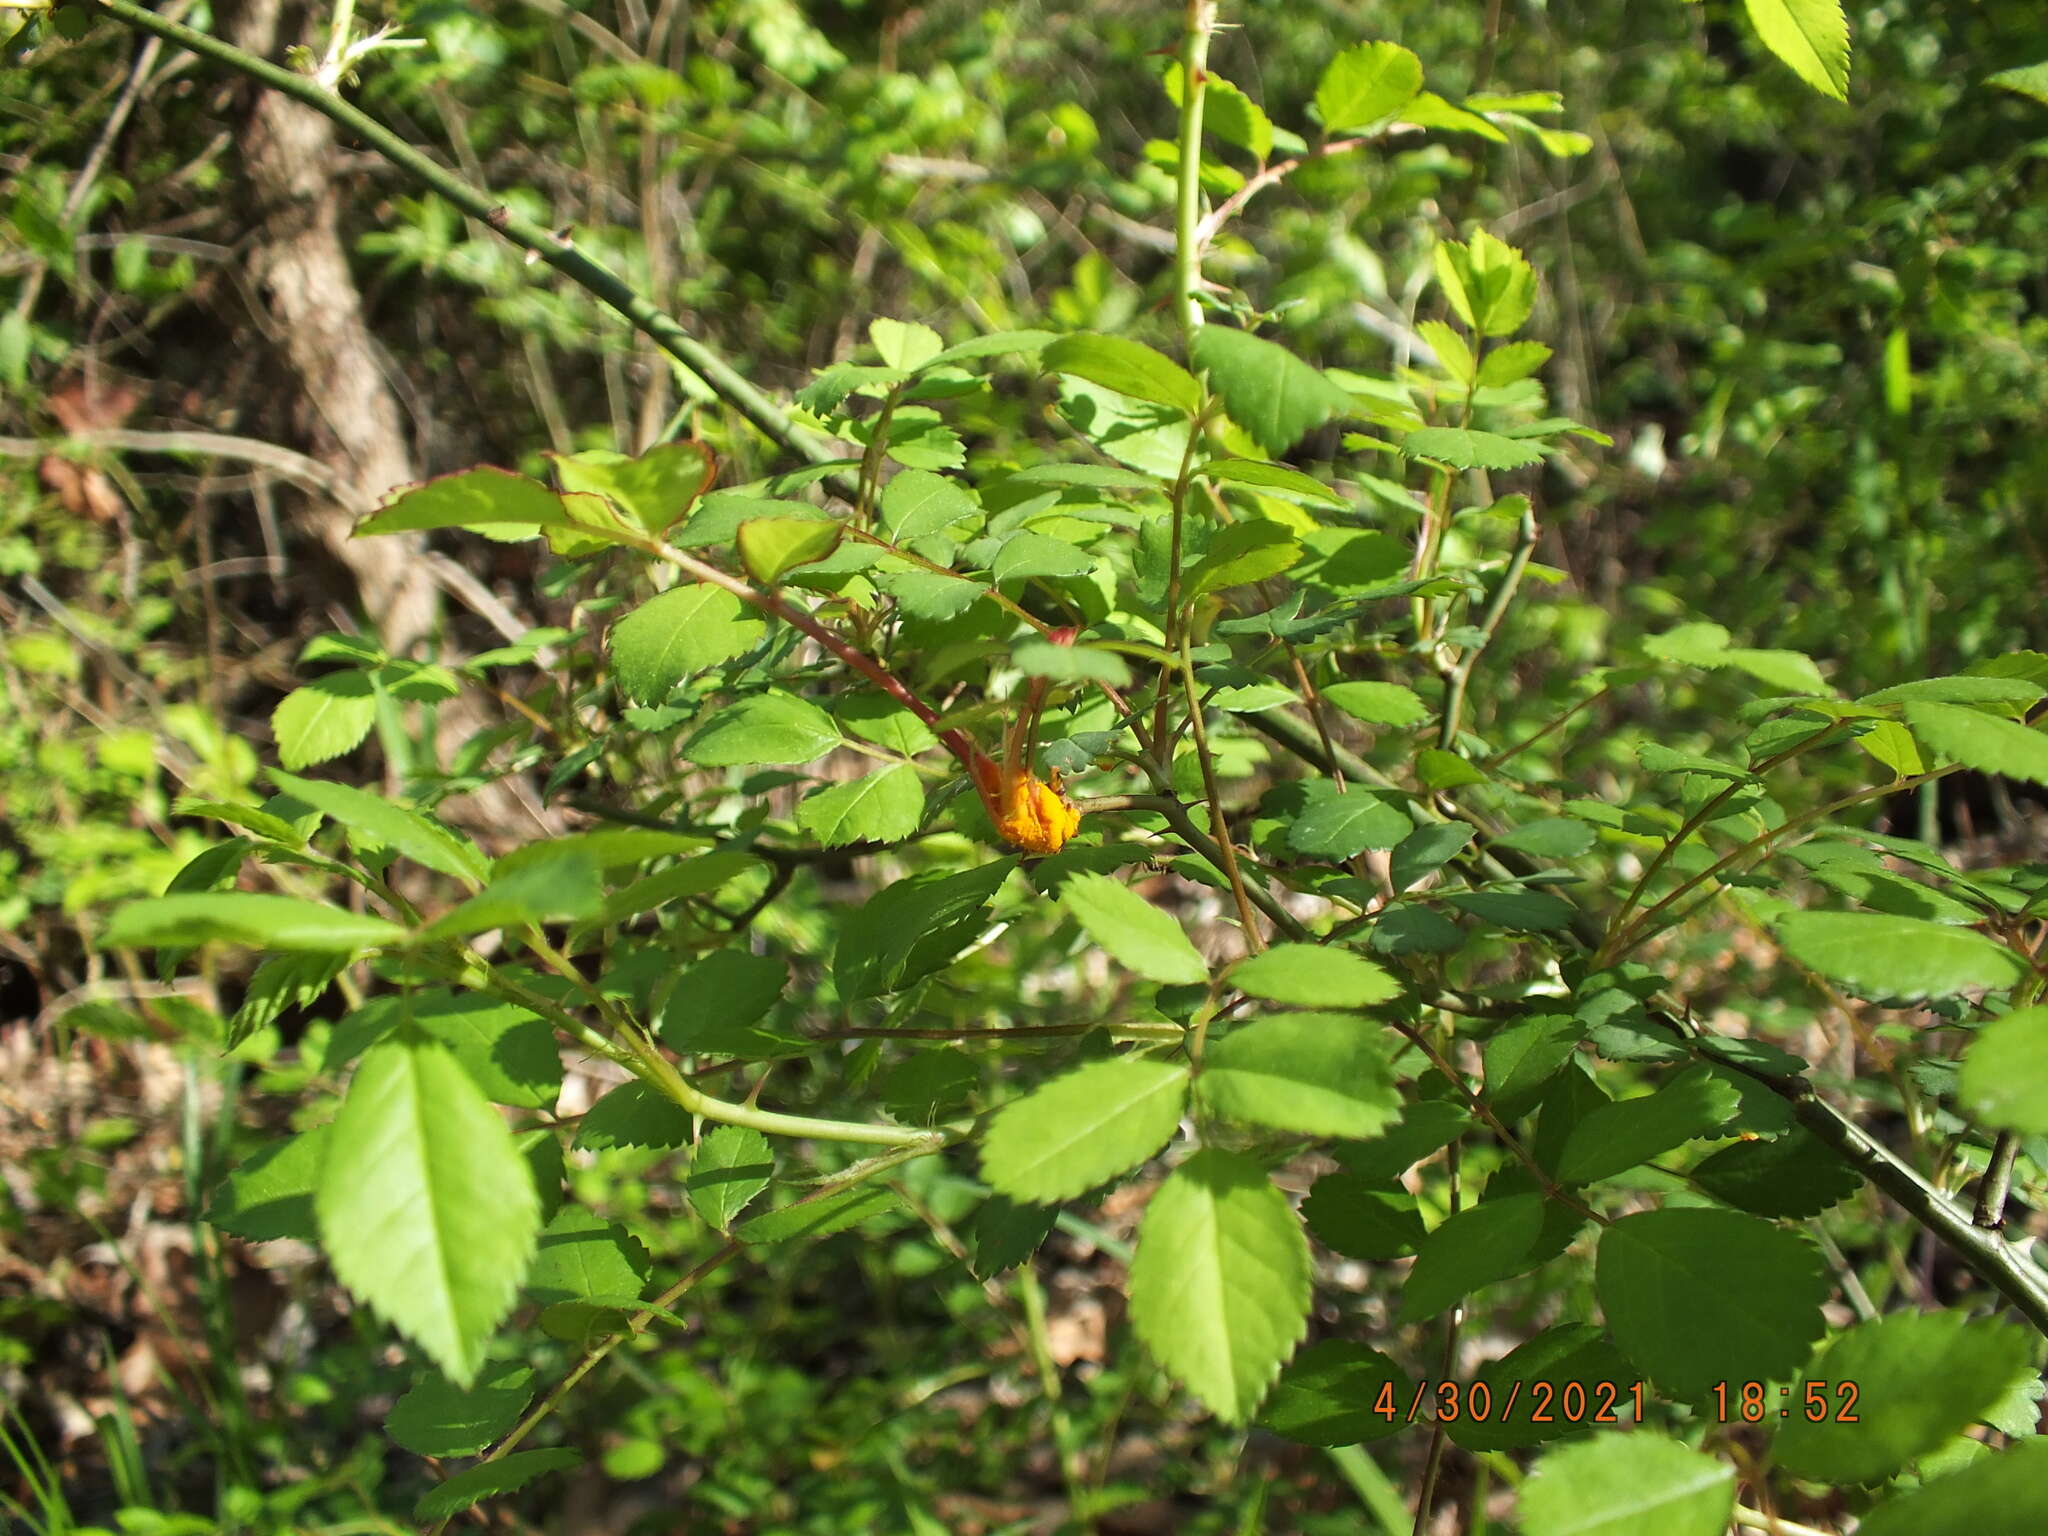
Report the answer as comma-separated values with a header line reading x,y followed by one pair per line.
x,y
1987,1255
557,250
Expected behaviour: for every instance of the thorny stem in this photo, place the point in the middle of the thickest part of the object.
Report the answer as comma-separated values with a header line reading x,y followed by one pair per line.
x,y
1991,1194
1218,822
1187,203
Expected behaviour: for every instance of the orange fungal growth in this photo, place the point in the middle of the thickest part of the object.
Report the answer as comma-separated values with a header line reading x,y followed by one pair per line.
x,y
1037,817
1029,813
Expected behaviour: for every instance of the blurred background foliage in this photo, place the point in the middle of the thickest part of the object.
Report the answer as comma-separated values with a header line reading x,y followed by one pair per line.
x,y
1818,334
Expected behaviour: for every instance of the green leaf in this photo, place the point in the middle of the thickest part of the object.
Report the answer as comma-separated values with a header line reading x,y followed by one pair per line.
x,y
1330,1392
1321,1074
1521,1057
882,807
1006,1232
427,1209
1552,837
271,1195
2027,80
1362,1217
656,490
1657,758
1984,742
996,344
1025,555
1484,1243
1793,1175
771,547
1312,976
1341,827
1521,911
1511,363
1469,448
930,594
880,719
1570,1355
404,831
328,717
1615,1137
1429,110
818,1217
2005,1492
1491,287
908,930
1271,393
772,727
713,1004
560,887
494,502
508,1474
690,877
1219,1286
1269,476
507,1051
1378,703
1699,1296
243,917
905,344
581,1256
1810,35
1244,552
437,1418
1365,83
1135,933
729,1168
1426,850
918,503
1083,1128
1452,351
281,983
681,632
1126,367
1631,1484
1229,114
1920,1378
634,1115
1963,689
248,817
1070,663
2005,1077
1904,957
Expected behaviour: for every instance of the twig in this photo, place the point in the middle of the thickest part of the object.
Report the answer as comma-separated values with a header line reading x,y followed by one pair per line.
x,y
220,445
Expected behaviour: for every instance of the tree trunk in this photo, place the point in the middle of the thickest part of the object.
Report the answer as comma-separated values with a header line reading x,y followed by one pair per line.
x,y
347,411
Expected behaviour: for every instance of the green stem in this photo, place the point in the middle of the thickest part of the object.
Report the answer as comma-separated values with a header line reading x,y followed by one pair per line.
x,y
1503,597
1699,818
1759,845
661,1074
1187,203
557,250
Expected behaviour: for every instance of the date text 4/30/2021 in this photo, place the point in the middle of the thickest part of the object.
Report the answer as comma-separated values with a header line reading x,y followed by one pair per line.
x,y
1605,1402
